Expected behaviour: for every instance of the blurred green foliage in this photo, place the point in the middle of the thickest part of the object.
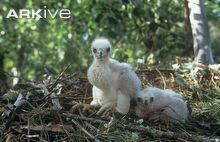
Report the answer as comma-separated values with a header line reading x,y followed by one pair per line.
x,y
136,28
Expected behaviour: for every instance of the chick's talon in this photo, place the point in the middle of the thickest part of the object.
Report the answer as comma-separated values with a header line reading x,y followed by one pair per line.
x,y
82,108
75,106
106,110
88,107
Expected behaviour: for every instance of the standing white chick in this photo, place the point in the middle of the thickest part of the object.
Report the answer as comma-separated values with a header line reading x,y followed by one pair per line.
x,y
114,83
155,103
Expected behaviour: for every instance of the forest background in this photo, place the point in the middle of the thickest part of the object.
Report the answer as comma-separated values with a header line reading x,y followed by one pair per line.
x,y
143,32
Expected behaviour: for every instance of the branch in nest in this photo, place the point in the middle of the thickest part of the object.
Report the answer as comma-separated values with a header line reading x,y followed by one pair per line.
x,y
168,134
147,130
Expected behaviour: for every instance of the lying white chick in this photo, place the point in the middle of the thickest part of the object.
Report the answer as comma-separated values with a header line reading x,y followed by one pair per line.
x,y
166,105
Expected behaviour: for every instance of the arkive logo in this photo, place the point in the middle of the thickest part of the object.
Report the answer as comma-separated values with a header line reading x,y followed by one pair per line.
x,y
39,13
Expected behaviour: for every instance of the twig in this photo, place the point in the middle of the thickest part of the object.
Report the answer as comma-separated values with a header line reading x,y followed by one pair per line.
x,y
53,128
168,134
44,130
148,130
147,70
60,75
70,76
61,121
83,129
93,120
164,82
75,98
28,132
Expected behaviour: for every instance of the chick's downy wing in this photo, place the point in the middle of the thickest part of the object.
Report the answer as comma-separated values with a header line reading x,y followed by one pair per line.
x,y
126,80
129,83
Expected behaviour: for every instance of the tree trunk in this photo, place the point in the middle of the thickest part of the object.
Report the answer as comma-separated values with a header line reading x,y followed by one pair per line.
x,y
200,31
187,26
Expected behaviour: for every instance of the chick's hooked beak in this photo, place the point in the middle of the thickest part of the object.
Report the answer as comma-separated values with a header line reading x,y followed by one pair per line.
x,y
100,54
97,53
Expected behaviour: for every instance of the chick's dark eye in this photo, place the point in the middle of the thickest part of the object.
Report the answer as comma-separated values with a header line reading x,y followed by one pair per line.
x,y
108,49
94,50
138,99
151,99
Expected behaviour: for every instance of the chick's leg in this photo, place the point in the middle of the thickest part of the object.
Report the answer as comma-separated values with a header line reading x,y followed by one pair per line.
x,y
95,93
88,107
123,103
109,107
82,108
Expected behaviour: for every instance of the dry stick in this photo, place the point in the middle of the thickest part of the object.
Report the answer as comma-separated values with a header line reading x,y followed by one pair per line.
x,y
83,129
91,126
44,131
168,134
164,82
147,129
173,78
28,132
72,134
75,98
61,121
212,79
94,120
70,76
149,69
55,82
61,74
85,95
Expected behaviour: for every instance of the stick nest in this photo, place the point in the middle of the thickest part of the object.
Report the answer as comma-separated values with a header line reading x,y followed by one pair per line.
x,y
41,116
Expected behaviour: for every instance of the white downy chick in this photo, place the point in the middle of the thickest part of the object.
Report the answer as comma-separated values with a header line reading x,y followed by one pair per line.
x,y
114,83
155,103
